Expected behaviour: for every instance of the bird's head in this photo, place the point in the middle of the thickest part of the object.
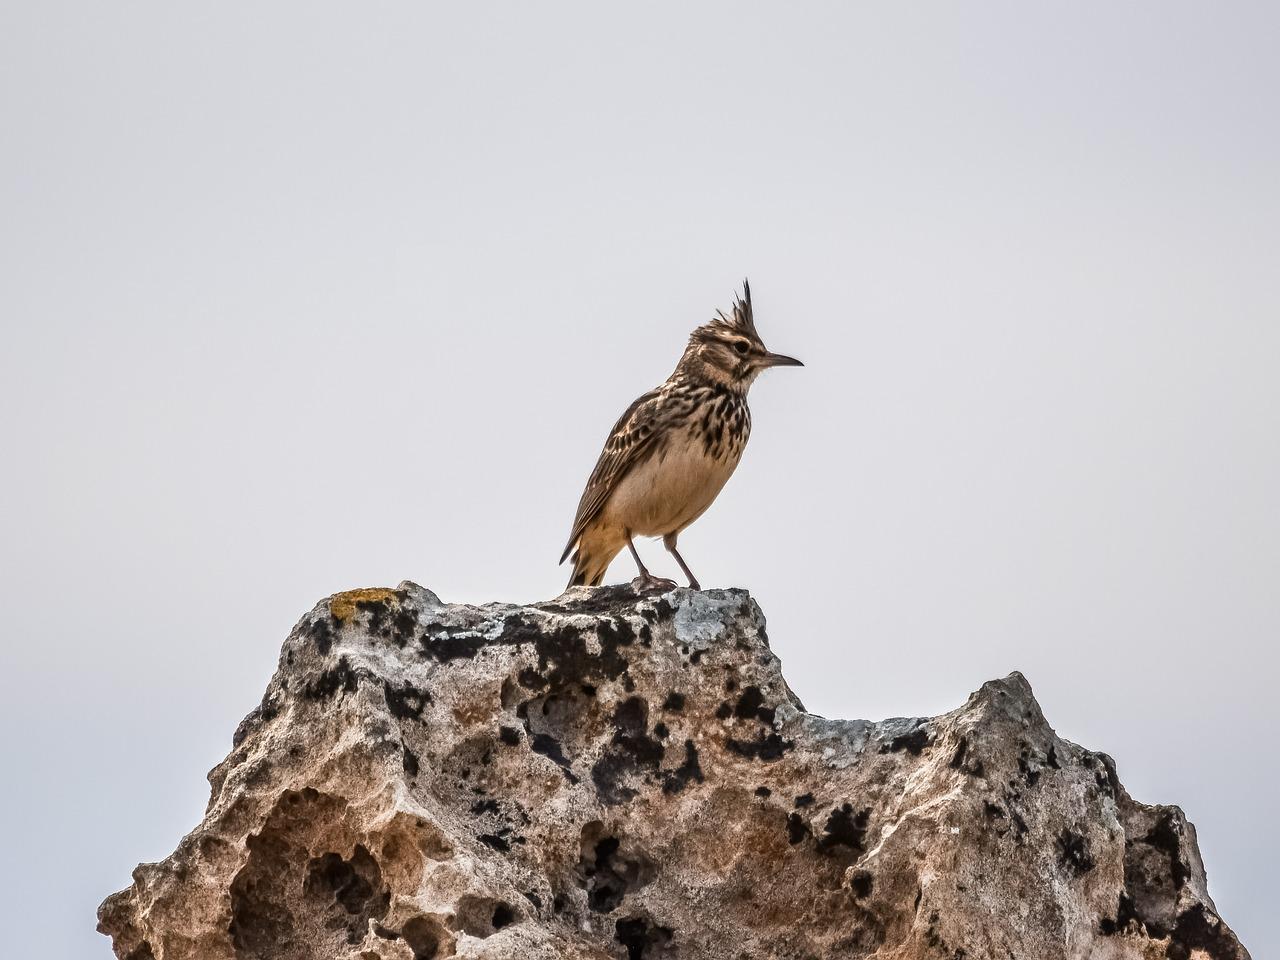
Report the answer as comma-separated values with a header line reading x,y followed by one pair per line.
x,y
729,351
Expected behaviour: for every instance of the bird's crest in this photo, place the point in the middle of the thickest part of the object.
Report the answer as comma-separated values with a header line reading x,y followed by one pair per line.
x,y
742,318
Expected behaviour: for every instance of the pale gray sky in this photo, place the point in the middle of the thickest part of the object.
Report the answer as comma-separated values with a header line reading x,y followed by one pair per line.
x,y
304,296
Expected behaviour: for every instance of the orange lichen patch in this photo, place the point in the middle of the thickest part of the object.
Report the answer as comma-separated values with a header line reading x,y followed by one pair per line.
x,y
343,605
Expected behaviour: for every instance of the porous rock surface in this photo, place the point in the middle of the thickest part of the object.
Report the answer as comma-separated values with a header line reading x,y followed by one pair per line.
x,y
613,776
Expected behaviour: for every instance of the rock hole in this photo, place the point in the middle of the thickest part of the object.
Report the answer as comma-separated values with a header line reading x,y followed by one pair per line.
x,y
642,938
608,870
861,883
423,938
353,884
482,916
288,905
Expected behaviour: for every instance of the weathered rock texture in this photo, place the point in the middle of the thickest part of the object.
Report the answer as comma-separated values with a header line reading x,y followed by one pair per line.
x,y
607,776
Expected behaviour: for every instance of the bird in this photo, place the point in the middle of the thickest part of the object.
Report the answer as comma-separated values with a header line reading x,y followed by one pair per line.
x,y
672,451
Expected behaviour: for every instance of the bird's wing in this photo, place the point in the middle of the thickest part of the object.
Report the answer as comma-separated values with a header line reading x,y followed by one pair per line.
x,y
632,438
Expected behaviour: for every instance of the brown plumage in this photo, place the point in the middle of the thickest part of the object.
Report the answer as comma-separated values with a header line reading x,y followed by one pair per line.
x,y
672,451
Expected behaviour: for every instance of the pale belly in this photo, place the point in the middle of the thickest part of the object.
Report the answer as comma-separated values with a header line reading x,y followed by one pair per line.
x,y
665,494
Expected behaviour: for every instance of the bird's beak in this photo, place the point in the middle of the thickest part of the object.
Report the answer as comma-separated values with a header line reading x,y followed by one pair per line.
x,y
779,360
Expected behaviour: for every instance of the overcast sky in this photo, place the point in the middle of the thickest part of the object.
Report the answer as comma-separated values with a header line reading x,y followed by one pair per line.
x,y
298,297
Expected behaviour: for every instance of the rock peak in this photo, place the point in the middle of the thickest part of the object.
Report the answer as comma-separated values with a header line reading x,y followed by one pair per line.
x,y
606,775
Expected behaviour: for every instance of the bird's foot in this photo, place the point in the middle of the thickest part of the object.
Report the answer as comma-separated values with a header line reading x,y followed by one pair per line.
x,y
694,584
648,583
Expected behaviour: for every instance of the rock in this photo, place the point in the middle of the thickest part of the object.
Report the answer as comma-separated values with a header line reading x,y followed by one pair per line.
x,y
613,776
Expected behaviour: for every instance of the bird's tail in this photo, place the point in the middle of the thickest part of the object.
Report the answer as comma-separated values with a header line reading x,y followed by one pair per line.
x,y
588,568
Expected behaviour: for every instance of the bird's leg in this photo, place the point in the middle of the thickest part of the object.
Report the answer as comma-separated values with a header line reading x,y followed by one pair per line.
x,y
669,541
646,580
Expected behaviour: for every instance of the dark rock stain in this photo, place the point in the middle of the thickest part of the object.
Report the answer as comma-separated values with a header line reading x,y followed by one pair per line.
x,y
1125,920
405,703
766,748
1197,929
1029,767
962,760
751,704
264,712
630,751
913,742
410,762
337,678
1165,837
1104,773
1073,852
673,781
390,618
564,659
320,633
797,828
844,828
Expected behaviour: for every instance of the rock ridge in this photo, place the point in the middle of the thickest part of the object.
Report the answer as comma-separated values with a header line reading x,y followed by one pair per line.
x,y
607,775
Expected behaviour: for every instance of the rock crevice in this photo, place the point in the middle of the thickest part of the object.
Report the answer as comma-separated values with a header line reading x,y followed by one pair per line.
x,y
614,776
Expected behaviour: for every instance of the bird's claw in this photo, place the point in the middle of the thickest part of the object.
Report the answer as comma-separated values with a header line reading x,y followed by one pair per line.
x,y
647,583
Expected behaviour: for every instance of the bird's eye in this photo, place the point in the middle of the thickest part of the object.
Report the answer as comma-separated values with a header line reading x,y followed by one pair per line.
x,y
740,347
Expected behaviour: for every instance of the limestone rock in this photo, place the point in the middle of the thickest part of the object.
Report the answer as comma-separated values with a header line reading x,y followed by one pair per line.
x,y
613,776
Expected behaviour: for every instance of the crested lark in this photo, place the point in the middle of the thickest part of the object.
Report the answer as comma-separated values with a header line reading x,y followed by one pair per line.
x,y
673,450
